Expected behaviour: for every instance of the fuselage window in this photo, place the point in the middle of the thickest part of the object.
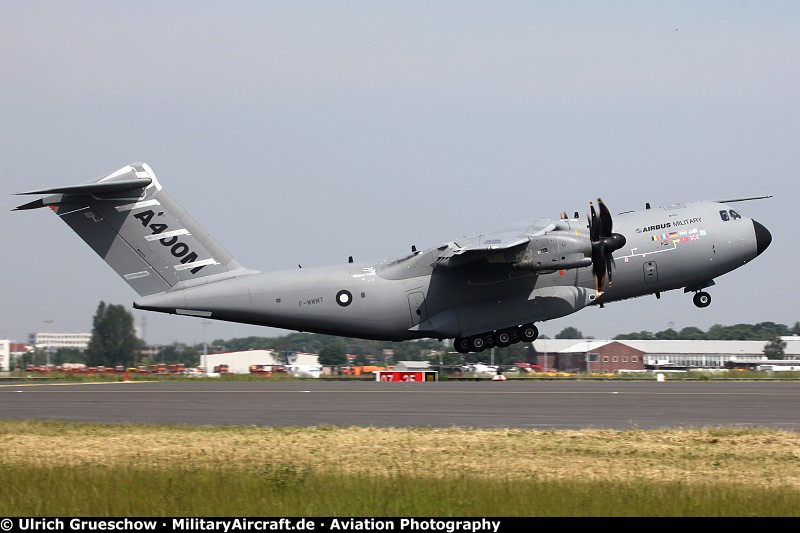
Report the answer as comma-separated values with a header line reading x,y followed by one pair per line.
x,y
735,215
724,216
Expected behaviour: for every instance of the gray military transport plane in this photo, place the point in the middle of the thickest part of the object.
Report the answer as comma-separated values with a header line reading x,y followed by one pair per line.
x,y
482,291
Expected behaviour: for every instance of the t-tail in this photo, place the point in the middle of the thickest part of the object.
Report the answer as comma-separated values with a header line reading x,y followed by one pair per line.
x,y
140,231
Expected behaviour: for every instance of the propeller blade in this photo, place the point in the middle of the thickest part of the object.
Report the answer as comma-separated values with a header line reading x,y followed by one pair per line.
x,y
605,219
603,242
594,227
599,279
609,266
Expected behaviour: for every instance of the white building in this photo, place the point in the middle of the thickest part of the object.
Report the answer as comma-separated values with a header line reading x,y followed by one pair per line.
x,y
54,341
240,362
683,353
5,355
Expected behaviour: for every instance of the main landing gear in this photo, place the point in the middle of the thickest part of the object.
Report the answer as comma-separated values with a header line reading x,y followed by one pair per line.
x,y
500,338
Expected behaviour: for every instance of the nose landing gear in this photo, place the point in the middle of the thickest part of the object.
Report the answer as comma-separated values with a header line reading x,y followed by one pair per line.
x,y
702,299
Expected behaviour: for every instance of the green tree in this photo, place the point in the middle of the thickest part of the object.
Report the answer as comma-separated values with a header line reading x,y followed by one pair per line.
x,y
641,336
667,335
114,340
332,354
68,355
718,332
691,333
180,353
570,333
774,349
24,360
769,330
360,359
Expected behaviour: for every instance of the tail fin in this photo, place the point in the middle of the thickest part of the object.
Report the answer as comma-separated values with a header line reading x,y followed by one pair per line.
x,y
140,231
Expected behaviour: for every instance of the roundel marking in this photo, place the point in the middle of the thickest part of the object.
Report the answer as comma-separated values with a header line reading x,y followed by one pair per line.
x,y
344,298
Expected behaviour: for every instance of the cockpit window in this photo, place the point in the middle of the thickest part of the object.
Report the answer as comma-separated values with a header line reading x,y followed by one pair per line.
x,y
730,214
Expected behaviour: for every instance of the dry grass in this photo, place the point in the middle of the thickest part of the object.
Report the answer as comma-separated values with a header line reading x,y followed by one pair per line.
x,y
733,457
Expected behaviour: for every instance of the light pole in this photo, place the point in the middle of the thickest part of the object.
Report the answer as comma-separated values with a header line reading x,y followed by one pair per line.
x,y
48,348
545,354
205,323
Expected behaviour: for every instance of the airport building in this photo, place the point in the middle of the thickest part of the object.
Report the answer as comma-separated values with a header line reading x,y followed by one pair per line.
x,y
5,355
240,362
54,341
577,355
9,353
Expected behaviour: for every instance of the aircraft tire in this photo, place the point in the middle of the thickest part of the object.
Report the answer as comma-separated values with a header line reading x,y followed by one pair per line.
x,y
461,344
489,340
702,299
477,343
528,333
503,338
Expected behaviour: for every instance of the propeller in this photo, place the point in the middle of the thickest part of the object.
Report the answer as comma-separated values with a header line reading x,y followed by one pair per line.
x,y
604,243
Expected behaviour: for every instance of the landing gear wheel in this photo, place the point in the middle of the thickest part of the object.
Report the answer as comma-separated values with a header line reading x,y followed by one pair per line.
x,y
503,338
477,343
702,299
461,345
528,333
489,340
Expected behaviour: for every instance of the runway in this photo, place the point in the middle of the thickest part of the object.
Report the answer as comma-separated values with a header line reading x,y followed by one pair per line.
x,y
470,404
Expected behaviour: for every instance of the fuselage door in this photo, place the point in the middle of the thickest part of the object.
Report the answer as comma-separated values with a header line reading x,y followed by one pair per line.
x,y
650,272
416,304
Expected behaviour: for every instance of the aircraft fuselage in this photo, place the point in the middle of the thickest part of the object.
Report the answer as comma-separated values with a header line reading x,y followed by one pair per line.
x,y
684,246
479,290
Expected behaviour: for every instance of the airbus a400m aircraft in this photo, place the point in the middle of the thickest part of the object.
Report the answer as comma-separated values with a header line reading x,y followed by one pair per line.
x,y
481,291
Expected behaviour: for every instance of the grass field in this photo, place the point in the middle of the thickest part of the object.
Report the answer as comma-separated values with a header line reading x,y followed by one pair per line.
x,y
65,469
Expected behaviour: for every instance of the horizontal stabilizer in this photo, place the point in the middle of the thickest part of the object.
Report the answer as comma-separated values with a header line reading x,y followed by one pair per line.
x,y
36,204
140,231
66,194
96,188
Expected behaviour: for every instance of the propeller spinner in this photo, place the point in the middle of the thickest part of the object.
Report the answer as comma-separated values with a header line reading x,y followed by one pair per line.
x,y
604,243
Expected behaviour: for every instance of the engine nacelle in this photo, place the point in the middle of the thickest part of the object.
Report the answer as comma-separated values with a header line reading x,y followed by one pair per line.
x,y
557,250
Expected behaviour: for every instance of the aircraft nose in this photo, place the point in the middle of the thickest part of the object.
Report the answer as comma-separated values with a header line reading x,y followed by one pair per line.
x,y
763,237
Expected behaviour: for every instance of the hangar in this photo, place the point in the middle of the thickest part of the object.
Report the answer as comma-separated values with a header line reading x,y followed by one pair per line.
x,y
582,355
240,362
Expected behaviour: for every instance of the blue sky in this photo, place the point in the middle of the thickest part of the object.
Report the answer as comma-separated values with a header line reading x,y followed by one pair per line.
x,y
306,132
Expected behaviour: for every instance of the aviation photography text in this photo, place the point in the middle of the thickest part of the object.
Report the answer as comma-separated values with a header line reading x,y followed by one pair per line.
x,y
226,525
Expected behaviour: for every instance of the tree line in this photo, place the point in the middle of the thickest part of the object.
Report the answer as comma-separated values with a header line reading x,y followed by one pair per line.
x,y
114,342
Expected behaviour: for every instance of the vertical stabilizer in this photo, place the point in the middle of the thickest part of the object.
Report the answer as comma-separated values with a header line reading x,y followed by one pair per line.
x,y
140,231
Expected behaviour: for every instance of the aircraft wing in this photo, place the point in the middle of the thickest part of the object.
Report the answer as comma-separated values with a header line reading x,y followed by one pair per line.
x,y
545,245
491,248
